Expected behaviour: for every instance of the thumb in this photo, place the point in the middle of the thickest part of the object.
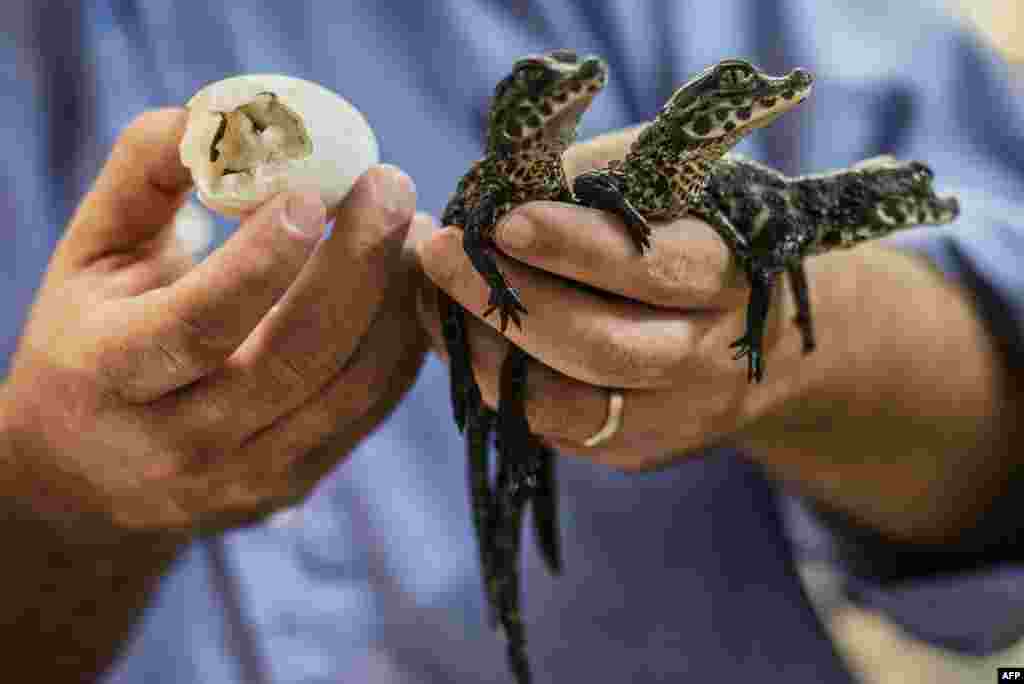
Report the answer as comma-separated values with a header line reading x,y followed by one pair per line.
x,y
136,195
599,150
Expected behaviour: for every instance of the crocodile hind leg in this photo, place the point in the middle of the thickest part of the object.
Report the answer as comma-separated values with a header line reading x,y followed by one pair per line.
x,y
545,512
519,442
463,383
478,471
751,345
473,417
738,245
802,300
516,484
599,190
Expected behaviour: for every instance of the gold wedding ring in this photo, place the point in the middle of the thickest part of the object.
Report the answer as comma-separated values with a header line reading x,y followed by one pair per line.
x,y
612,423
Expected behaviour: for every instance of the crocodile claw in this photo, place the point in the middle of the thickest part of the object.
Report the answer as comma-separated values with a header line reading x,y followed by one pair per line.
x,y
506,301
746,347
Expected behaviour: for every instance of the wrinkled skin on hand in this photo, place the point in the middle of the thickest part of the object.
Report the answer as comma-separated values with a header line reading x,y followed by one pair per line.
x,y
151,393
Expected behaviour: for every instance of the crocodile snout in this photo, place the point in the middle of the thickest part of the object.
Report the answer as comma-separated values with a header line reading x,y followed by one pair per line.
x,y
801,77
591,68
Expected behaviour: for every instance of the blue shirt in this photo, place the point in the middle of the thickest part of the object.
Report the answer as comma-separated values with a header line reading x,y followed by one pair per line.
x,y
683,572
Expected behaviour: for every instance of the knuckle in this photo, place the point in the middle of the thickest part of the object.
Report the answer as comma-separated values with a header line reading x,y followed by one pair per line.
x,y
639,355
445,260
682,277
377,242
192,345
620,359
552,407
289,375
136,371
269,252
172,364
118,365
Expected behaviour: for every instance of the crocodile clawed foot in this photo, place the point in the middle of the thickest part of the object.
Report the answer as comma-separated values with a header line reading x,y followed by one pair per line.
x,y
506,301
755,359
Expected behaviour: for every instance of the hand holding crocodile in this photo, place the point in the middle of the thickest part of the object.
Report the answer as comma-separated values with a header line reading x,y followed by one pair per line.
x,y
657,329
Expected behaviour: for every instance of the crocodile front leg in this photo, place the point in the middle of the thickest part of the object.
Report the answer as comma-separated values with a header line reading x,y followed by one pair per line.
x,y
477,242
600,190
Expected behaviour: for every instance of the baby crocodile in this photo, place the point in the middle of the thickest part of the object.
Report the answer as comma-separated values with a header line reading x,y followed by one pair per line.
x,y
679,165
532,120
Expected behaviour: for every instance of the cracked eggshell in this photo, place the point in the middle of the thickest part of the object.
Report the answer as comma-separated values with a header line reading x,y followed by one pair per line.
x,y
250,137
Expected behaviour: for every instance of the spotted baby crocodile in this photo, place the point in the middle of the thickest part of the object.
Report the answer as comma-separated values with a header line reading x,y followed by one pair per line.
x,y
679,165
532,120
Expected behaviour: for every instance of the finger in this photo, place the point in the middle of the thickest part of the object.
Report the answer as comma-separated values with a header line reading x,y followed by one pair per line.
x,y
179,333
598,339
598,151
687,267
279,465
302,446
134,199
313,331
566,413
578,404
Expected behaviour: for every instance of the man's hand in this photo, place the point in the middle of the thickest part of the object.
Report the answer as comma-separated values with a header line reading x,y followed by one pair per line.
x,y
166,396
903,380
151,398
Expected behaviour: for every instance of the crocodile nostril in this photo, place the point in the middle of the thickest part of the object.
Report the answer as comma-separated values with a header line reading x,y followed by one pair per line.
x,y
802,77
590,68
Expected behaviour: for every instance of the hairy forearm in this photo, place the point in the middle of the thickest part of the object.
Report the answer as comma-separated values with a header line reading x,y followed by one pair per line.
x,y
902,418
71,588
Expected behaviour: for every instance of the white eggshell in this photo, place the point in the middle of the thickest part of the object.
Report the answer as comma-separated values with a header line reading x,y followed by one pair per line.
x,y
342,143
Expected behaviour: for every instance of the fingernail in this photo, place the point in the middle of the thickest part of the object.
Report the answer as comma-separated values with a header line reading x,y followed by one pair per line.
x,y
515,232
396,192
304,214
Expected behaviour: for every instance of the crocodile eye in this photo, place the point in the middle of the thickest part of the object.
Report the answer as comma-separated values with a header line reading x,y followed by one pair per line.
x,y
735,77
532,73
